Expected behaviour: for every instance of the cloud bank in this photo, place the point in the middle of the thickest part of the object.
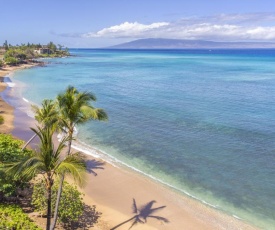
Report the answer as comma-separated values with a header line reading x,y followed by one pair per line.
x,y
127,29
233,27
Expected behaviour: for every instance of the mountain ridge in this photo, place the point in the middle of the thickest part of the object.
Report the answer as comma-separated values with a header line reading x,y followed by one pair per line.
x,y
162,43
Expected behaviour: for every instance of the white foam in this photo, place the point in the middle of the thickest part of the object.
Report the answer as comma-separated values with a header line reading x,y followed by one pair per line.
x,y
90,152
87,149
26,108
94,152
30,114
237,217
214,206
24,99
10,84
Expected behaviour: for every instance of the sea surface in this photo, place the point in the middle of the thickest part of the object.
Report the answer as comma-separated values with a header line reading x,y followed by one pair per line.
x,y
199,121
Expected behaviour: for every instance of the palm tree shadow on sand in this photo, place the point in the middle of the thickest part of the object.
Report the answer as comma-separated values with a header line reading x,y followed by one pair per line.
x,y
93,164
142,214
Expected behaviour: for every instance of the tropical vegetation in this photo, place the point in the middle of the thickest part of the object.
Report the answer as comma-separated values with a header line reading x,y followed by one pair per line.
x,y
13,217
75,109
20,165
1,119
24,53
1,63
10,151
49,164
71,206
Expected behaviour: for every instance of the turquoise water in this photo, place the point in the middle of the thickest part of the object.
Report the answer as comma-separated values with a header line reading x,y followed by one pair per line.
x,y
200,121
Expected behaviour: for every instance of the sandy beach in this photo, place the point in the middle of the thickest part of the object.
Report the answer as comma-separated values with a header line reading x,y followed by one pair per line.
x,y
113,189
5,109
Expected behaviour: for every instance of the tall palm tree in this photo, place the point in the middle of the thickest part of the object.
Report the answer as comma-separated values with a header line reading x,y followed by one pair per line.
x,y
49,164
74,109
46,116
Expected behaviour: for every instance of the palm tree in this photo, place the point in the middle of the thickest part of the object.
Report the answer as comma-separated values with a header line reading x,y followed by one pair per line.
x,y
46,116
74,109
48,163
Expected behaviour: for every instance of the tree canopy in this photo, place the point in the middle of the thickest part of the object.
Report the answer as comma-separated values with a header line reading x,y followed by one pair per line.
x,y
17,54
10,151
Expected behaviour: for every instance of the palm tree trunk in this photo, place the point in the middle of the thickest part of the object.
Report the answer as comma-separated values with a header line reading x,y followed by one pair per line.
x,y
49,209
58,197
29,141
59,192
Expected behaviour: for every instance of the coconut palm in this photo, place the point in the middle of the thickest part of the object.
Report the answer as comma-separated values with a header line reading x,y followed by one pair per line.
x,y
75,109
46,116
48,163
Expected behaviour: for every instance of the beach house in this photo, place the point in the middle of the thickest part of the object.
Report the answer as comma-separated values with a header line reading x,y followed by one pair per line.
x,y
43,50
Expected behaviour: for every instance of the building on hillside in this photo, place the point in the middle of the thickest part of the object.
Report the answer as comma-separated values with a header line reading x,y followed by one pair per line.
x,y
43,50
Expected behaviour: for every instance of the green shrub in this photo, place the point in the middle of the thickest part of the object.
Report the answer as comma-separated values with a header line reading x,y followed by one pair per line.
x,y
71,205
1,117
11,60
10,151
1,63
13,217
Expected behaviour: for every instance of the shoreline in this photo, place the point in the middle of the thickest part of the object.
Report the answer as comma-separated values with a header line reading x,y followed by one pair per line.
x,y
7,111
113,189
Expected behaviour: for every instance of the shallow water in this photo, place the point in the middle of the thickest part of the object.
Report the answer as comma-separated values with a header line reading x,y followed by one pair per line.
x,y
200,121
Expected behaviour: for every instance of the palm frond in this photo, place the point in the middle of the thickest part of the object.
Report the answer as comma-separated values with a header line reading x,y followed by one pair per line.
x,y
94,113
86,97
75,106
47,114
26,168
75,166
62,145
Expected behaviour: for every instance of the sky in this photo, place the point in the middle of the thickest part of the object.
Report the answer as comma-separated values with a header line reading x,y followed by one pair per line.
x,y
103,23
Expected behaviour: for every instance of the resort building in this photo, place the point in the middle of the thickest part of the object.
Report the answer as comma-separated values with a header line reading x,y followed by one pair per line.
x,y
43,50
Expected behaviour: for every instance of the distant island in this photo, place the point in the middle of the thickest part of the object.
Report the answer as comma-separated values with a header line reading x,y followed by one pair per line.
x,y
160,43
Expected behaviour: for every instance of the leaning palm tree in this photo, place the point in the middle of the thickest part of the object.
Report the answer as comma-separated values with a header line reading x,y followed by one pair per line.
x,y
75,109
49,164
46,116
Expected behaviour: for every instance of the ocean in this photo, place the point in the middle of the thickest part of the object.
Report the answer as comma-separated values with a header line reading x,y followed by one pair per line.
x,y
199,121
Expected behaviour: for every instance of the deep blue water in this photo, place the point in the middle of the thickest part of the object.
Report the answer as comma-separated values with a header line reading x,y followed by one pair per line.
x,y
201,121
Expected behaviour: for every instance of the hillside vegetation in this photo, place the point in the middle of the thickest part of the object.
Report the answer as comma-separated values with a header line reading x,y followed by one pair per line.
x,y
24,53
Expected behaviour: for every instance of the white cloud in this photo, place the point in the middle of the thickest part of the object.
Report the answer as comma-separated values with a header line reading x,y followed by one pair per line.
x,y
265,33
224,32
224,27
127,29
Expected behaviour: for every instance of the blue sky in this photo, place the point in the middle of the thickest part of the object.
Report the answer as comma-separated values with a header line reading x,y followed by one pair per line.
x,y
101,23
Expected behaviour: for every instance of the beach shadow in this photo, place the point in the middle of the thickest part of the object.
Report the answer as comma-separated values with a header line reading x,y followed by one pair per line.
x,y
93,164
142,214
87,220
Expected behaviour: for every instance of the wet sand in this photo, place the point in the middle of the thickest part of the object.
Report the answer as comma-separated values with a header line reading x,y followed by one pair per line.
x,y
5,109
